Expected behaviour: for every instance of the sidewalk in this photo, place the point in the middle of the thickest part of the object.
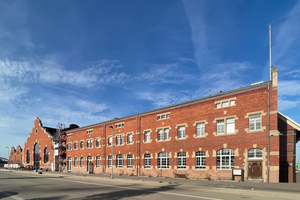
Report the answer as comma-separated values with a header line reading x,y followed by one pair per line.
x,y
258,189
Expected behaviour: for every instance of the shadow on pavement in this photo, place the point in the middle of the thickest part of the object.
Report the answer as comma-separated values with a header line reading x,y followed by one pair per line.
x,y
5,194
50,198
129,193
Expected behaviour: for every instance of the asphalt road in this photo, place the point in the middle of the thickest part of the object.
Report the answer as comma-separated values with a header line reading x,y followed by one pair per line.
x,y
20,186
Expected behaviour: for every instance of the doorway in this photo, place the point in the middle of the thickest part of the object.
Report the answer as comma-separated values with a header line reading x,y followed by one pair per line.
x,y
36,156
255,170
89,160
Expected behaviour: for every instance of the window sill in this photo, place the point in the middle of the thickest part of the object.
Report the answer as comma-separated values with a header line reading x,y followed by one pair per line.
x,y
224,134
147,142
181,138
163,140
130,143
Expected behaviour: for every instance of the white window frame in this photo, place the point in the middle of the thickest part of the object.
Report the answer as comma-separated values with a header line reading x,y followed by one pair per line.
x,y
181,132
181,160
147,136
130,138
110,141
230,125
98,159
120,161
220,127
255,119
147,161
200,129
232,102
81,144
225,104
256,152
129,161
163,160
98,144
117,139
75,145
69,164
75,162
121,139
110,161
81,161
200,160
225,159
69,146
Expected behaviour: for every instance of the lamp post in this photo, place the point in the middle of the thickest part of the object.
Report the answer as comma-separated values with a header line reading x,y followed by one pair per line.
x,y
112,153
7,155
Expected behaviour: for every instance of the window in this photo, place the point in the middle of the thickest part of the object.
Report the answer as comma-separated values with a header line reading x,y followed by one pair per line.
x,y
200,127
28,157
75,162
129,138
255,122
98,142
90,131
225,104
122,140
69,164
181,160
109,141
218,105
181,132
230,125
81,144
163,116
147,136
75,145
163,134
109,161
232,102
89,144
255,154
147,161
200,160
69,146
120,125
98,161
46,155
69,135
118,140
163,160
225,159
130,161
36,131
220,127
81,162
119,161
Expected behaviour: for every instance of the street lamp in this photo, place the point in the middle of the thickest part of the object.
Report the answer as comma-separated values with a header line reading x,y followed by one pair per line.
x,y
7,155
112,153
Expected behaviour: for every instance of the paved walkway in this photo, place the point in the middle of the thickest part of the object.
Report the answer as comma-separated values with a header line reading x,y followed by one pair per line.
x,y
278,187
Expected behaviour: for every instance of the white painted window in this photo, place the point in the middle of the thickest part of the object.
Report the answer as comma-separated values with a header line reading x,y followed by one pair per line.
x,y
218,105
81,144
118,140
160,134
147,136
225,104
69,164
166,133
75,162
130,138
181,160
220,127
69,146
109,161
109,141
255,154
181,132
129,161
255,122
225,159
230,125
147,161
98,142
98,161
75,145
163,160
121,139
119,161
232,102
200,160
81,162
200,129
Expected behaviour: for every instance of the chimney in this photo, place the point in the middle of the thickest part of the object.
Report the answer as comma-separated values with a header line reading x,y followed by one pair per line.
x,y
274,77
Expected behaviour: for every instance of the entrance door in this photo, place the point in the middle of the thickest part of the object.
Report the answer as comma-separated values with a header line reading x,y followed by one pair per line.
x,y
69,164
254,170
89,160
36,156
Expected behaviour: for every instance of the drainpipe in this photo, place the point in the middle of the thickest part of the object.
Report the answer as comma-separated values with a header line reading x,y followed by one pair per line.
x,y
104,149
137,145
268,176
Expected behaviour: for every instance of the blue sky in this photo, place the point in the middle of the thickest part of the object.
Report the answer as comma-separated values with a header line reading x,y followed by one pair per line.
x,y
84,62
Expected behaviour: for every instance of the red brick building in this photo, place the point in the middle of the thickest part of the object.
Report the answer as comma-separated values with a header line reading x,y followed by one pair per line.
x,y
15,156
202,138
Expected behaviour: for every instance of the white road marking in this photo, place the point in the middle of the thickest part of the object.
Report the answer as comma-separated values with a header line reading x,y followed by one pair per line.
x,y
130,188
11,196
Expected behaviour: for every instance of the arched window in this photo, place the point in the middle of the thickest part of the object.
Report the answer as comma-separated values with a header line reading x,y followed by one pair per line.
x,y
98,161
81,161
75,162
46,155
255,154
225,159
163,160
119,161
200,160
181,160
147,161
28,156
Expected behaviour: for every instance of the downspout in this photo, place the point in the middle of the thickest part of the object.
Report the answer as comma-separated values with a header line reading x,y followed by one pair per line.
x,y
137,145
268,176
104,149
